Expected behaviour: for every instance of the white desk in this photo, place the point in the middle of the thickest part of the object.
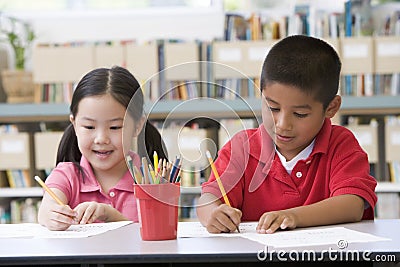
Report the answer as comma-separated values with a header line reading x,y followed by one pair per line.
x,y
124,246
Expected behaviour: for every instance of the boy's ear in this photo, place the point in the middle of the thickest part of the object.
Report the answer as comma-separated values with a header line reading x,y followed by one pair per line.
x,y
333,107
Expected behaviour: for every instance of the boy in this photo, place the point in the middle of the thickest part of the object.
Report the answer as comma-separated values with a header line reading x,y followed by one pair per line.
x,y
296,169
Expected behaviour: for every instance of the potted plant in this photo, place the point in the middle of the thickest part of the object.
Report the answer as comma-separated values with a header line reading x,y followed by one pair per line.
x,y
17,82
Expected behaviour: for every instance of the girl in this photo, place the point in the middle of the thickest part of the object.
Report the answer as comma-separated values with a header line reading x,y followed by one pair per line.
x,y
91,176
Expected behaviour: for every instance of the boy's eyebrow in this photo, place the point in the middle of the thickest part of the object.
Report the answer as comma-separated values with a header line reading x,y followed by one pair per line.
x,y
306,106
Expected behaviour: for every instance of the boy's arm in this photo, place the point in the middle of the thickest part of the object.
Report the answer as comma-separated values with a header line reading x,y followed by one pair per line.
x,y
333,210
216,216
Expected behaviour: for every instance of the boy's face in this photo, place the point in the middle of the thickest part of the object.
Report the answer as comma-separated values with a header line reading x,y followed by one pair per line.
x,y
291,117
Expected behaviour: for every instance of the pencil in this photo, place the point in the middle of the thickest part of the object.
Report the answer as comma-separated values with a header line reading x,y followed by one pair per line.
x,y
146,174
155,158
48,190
220,185
138,176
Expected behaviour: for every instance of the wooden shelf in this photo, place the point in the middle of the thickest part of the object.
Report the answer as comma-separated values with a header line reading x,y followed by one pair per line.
x,y
374,105
6,192
201,107
387,187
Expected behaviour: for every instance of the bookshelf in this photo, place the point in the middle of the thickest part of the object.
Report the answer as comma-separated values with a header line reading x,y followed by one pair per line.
x,y
359,54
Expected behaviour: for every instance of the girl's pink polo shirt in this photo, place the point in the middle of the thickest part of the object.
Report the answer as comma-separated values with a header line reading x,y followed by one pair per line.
x,y
78,190
256,184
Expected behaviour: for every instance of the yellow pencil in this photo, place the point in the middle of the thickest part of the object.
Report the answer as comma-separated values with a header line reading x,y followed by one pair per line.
x,y
220,185
48,190
155,158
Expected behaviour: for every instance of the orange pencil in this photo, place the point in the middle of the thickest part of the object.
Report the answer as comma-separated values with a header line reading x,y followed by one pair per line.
x,y
48,190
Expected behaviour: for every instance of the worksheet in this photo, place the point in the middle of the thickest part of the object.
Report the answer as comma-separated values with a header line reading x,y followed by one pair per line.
x,y
339,236
34,230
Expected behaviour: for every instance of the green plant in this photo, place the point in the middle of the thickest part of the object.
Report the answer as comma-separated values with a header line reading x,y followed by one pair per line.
x,y
19,35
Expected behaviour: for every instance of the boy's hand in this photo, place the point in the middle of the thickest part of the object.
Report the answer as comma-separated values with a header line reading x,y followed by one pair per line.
x,y
223,219
89,212
271,221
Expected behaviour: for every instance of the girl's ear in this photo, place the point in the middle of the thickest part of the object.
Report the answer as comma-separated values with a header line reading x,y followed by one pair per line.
x,y
72,119
333,107
139,125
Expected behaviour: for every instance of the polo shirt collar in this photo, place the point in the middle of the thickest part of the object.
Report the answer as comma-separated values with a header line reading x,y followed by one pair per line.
x,y
91,184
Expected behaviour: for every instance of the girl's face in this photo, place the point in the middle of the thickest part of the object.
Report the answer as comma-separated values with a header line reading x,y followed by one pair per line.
x,y
99,126
291,117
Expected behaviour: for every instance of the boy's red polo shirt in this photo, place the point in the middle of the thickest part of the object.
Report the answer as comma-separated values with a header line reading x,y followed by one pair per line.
x,y
255,184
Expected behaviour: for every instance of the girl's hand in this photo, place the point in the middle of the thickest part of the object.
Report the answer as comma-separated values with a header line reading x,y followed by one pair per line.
x,y
89,212
271,221
60,217
223,219
53,215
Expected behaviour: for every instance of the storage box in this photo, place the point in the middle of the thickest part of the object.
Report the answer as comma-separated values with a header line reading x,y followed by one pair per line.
x,y
357,55
58,64
387,54
367,136
14,151
182,61
46,146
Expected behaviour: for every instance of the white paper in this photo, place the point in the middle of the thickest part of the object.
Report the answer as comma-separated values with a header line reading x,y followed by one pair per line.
x,y
292,238
195,229
338,236
33,230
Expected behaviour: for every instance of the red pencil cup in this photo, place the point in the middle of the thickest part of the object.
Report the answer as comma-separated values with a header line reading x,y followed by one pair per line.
x,y
158,210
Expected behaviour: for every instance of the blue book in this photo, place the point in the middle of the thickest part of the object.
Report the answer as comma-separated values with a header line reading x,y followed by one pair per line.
x,y
348,18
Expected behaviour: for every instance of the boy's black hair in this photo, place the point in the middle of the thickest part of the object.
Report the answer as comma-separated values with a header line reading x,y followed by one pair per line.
x,y
308,63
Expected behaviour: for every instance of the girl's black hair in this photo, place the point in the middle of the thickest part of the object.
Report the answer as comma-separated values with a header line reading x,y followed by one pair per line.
x,y
122,86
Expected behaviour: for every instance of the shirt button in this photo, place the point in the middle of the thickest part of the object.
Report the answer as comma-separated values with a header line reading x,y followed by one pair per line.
x,y
299,174
112,194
